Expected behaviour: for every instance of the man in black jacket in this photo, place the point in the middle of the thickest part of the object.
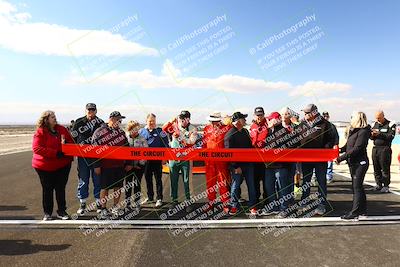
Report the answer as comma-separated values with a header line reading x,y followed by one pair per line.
x,y
239,137
317,133
383,132
82,132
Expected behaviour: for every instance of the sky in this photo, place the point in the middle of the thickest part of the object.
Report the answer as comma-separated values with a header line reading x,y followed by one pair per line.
x,y
209,56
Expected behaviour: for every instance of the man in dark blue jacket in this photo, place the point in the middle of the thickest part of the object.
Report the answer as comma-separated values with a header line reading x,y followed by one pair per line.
x,y
155,137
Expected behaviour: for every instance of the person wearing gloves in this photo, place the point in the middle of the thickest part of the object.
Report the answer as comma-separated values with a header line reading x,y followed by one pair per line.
x,y
355,153
51,164
183,135
216,171
134,176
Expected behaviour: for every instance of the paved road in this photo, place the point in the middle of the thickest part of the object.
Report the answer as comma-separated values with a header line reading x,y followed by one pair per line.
x,y
315,246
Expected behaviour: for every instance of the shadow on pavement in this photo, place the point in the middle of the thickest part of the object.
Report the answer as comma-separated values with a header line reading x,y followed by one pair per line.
x,y
24,246
12,208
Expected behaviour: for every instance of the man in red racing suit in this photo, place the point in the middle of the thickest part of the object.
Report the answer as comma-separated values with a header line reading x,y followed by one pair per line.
x,y
217,173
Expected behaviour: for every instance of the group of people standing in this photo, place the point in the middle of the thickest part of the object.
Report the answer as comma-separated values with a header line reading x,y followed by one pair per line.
x,y
267,182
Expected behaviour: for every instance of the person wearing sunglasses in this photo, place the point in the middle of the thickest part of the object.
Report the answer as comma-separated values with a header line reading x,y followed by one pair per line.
x,y
111,171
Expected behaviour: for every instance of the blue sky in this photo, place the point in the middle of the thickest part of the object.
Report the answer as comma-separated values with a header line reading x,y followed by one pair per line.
x,y
353,64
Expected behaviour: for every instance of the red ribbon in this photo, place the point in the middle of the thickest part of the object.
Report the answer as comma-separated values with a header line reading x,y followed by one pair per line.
x,y
202,154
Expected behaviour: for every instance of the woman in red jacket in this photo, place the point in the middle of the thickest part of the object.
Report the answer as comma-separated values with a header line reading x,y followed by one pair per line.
x,y
50,163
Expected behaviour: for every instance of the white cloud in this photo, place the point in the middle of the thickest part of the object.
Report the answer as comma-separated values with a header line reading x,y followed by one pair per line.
x,y
148,80
6,8
342,107
311,88
171,77
17,34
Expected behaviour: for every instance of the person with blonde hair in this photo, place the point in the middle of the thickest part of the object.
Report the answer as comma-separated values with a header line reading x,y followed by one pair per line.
x,y
50,163
355,153
136,173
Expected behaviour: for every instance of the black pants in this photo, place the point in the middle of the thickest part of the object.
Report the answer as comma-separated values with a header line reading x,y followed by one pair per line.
x,y
154,167
357,172
259,177
54,181
134,177
382,159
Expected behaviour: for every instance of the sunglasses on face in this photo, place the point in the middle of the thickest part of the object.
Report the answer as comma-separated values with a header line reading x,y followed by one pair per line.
x,y
91,109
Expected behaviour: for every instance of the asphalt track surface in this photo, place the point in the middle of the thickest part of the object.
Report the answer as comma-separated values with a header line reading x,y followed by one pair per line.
x,y
20,194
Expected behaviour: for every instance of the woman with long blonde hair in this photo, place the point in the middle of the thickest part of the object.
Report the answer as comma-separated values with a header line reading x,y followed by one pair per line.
x,y
355,153
50,163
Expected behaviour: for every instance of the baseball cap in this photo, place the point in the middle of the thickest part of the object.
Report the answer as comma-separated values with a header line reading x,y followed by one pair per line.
x,y
274,115
238,115
259,111
310,108
184,114
116,114
90,106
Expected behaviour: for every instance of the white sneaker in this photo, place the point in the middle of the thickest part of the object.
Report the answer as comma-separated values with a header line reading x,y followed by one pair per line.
x,y
115,211
104,214
144,201
385,189
82,209
137,209
265,212
242,200
158,203
320,210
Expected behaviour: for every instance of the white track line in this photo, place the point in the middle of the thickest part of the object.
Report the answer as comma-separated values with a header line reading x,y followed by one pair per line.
x,y
227,223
